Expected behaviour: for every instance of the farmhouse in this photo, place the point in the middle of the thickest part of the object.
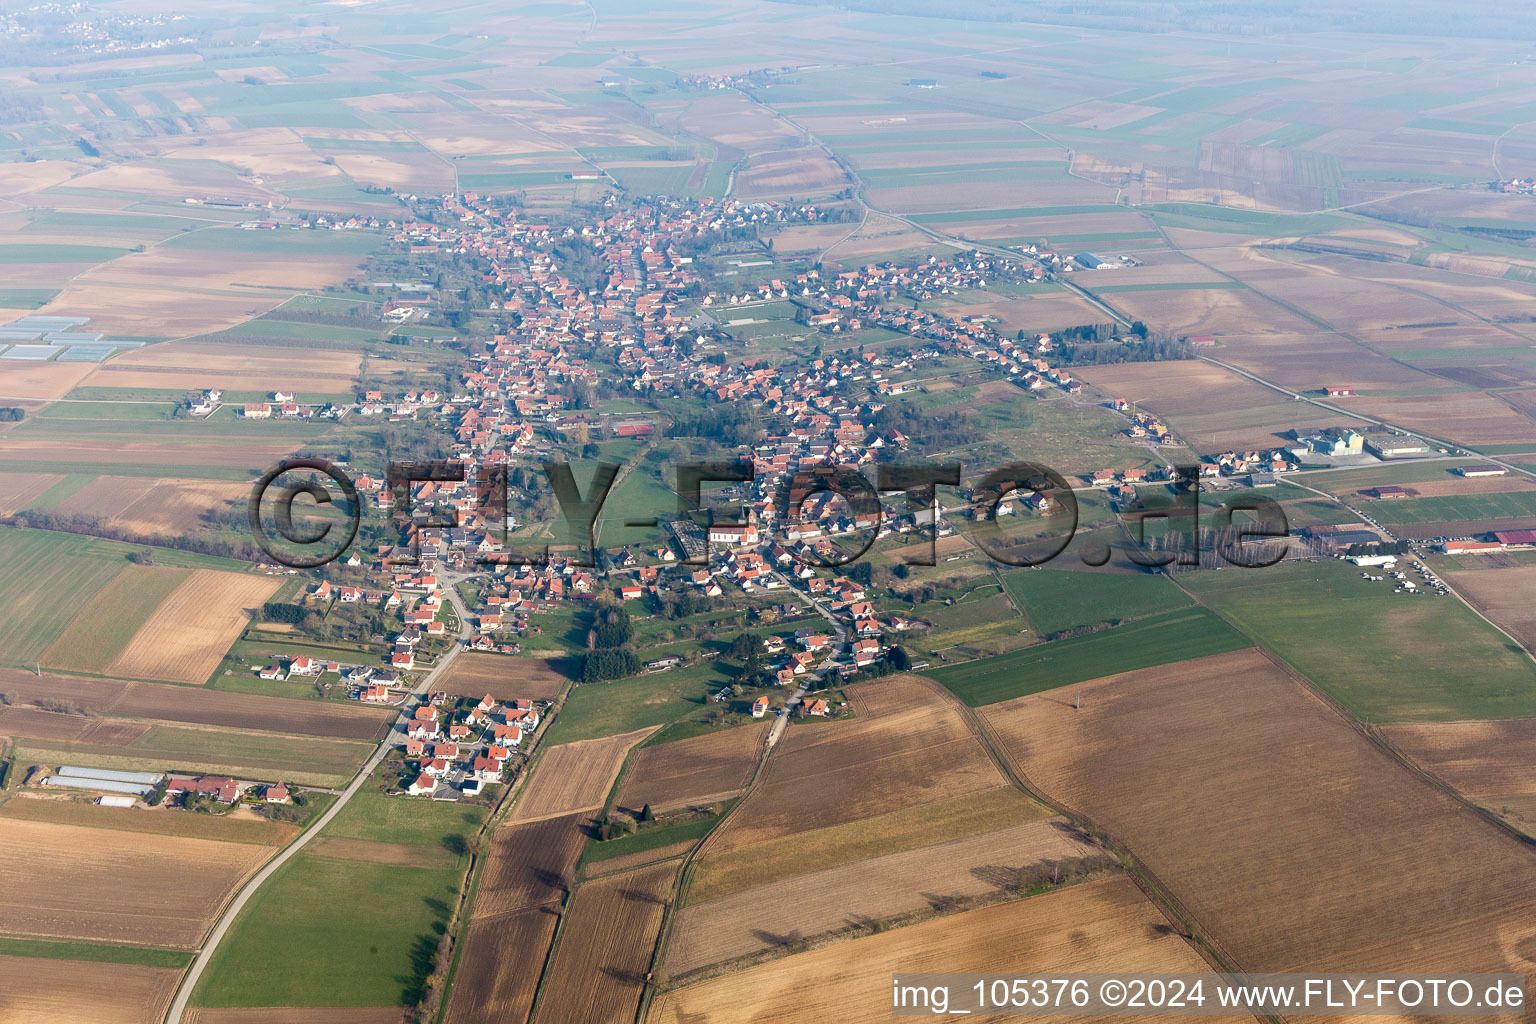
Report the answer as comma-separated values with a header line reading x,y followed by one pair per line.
x,y
1516,538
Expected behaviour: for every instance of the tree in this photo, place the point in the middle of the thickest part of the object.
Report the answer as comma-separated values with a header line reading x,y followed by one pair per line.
x,y
646,814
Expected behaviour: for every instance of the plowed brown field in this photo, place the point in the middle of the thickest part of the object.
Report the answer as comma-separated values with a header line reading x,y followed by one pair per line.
x,y
500,966
1291,840
1479,758
116,697
505,678
62,881
70,992
599,968
701,769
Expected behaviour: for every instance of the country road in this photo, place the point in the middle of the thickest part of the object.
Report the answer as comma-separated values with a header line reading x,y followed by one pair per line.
x,y
232,910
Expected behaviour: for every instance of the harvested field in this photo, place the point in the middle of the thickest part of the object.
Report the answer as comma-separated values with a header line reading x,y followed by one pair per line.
x,y
574,776
248,366
27,723
506,678
176,292
1337,845
154,506
1106,925
39,991
1469,418
921,753
703,769
847,842
1480,759
298,1015
598,971
241,827
758,919
164,889
120,699
1503,595
18,490
529,864
1474,485
500,965
25,379
187,636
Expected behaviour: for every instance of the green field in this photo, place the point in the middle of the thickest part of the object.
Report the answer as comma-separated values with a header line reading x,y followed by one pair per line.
x,y
94,953
603,709
387,819
44,579
1054,599
1155,640
1383,655
1455,508
329,932
296,243
104,624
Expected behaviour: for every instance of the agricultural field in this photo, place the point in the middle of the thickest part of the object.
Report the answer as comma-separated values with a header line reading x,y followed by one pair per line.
x,y
185,366
697,770
1386,657
1385,855
927,878
1106,925
500,965
1055,600
1155,639
1483,760
333,931
186,637
234,828
1500,594
108,621
119,699
506,678
598,969
41,991
53,876
44,579
574,776
918,749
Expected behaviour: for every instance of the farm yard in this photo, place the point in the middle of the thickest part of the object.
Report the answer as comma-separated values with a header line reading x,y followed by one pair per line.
x,y
1106,925
1386,855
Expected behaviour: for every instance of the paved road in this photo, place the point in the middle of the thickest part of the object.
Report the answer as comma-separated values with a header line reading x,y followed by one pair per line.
x,y
396,731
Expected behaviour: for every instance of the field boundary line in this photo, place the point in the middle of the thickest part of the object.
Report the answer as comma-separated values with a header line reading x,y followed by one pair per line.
x,y
684,879
1155,890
